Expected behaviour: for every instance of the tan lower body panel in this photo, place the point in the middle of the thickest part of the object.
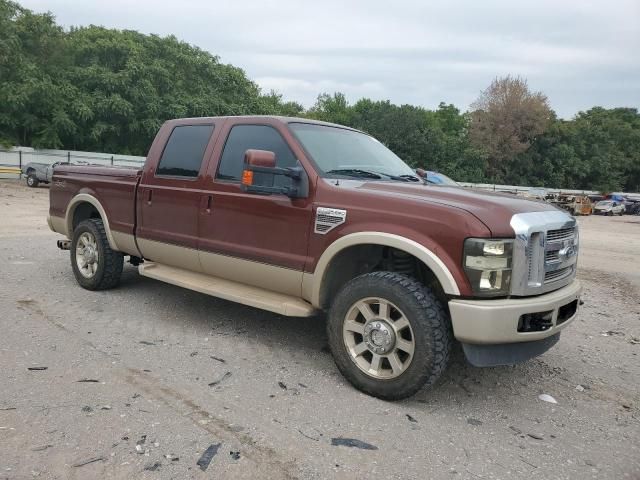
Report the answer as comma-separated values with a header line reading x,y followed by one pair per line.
x,y
125,243
291,306
496,321
180,257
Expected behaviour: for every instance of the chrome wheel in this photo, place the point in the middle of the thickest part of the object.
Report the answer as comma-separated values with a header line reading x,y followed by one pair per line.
x,y
378,337
87,255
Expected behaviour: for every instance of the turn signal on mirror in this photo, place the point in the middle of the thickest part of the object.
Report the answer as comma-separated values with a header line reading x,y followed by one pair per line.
x,y
247,177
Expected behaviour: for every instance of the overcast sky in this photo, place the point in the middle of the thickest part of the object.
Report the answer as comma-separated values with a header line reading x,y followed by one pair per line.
x,y
580,53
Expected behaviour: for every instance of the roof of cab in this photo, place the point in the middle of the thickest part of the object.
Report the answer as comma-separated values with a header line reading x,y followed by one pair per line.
x,y
271,117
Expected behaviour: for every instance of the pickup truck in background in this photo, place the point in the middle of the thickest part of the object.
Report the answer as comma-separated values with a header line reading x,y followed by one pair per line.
x,y
296,216
37,173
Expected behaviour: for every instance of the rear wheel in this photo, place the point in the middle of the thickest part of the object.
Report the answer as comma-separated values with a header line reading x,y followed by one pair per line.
x,y
95,265
32,180
389,335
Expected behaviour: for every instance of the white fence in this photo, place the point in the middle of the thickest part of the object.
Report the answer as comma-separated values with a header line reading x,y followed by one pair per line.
x,y
12,161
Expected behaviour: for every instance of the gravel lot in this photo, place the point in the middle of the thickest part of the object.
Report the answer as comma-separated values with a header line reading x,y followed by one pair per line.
x,y
175,372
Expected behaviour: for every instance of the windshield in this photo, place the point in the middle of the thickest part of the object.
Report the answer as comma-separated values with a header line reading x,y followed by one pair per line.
x,y
435,178
338,151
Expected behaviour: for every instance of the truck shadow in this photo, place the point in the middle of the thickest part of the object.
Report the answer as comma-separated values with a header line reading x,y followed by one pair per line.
x,y
305,341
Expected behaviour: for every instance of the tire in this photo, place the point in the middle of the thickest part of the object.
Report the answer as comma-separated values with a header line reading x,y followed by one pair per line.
x,y
102,265
429,329
32,180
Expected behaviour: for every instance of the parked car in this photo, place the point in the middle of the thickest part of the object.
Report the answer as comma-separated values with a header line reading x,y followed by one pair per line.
x,y
436,178
37,173
608,207
297,216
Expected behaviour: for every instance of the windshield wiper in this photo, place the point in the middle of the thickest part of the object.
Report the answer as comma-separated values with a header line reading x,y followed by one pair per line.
x,y
355,172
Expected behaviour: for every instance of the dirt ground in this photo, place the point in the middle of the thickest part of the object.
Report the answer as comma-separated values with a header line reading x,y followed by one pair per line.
x,y
141,380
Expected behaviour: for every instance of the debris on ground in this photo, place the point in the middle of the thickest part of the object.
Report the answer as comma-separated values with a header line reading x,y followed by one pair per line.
x,y
580,388
634,341
140,450
6,409
88,461
221,379
153,468
282,385
88,380
535,436
303,385
234,455
207,456
474,421
353,443
87,409
193,354
145,342
609,333
547,398
41,448
37,368
171,457
105,407
309,432
411,419
218,359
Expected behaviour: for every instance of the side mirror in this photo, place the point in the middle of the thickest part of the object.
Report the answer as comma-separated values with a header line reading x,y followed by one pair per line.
x,y
264,162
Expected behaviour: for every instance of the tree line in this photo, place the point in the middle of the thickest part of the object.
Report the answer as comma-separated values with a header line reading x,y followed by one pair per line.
x,y
98,89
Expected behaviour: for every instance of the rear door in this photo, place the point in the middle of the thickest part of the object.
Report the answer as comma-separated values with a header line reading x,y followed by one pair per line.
x,y
169,196
260,240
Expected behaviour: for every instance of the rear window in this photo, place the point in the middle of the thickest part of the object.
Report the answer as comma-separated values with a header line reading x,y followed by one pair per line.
x,y
183,154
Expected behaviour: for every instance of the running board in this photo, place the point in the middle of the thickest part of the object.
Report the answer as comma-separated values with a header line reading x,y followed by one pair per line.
x,y
228,290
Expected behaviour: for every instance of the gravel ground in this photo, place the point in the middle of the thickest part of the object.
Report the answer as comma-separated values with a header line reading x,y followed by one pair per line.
x,y
170,372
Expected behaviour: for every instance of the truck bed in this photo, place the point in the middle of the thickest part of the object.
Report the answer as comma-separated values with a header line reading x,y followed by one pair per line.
x,y
113,187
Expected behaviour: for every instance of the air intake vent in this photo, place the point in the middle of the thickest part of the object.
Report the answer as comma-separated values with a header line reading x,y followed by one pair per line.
x,y
328,218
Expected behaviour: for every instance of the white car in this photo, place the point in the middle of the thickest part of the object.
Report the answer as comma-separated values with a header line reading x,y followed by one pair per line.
x,y
608,207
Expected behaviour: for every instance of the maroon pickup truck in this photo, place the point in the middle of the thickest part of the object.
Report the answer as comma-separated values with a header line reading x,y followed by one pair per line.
x,y
296,216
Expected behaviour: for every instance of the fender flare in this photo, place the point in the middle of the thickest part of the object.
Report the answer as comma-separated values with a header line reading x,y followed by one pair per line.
x,y
86,198
426,256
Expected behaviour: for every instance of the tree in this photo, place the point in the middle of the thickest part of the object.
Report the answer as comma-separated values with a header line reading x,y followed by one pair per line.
x,y
505,120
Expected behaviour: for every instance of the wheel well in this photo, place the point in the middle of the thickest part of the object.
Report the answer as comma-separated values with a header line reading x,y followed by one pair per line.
x,y
30,170
81,212
359,259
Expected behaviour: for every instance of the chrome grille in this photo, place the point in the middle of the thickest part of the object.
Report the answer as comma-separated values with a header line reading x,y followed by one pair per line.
x,y
555,275
545,252
551,257
560,234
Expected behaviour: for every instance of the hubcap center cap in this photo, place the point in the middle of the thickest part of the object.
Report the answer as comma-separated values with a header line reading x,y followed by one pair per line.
x,y
89,255
379,336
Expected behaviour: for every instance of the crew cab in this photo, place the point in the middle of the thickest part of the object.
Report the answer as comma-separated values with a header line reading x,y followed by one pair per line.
x,y
297,217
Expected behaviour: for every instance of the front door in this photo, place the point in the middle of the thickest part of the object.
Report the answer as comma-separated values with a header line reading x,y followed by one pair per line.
x,y
169,198
259,240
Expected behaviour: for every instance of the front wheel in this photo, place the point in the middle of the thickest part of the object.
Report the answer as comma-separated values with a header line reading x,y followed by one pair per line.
x,y
389,335
95,265
32,180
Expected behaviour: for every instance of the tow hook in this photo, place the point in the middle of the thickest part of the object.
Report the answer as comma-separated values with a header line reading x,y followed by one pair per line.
x,y
64,244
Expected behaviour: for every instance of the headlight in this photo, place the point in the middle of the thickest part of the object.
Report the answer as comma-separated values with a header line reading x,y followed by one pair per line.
x,y
487,263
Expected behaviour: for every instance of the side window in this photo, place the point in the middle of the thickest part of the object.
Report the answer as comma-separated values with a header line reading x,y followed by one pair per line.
x,y
259,137
184,151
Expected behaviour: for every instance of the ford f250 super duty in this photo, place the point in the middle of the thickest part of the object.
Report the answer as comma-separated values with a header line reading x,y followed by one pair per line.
x,y
296,216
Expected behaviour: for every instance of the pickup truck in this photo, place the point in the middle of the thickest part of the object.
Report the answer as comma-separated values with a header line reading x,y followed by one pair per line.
x,y
298,217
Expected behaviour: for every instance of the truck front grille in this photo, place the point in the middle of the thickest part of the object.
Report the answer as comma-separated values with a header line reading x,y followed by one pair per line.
x,y
545,252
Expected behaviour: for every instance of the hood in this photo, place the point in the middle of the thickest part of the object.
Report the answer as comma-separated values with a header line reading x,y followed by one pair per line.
x,y
493,209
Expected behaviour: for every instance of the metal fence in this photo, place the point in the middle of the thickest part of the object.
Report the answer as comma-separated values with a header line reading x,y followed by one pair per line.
x,y
13,161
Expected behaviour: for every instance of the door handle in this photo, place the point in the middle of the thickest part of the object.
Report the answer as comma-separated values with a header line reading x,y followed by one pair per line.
x,y
209,199
149,197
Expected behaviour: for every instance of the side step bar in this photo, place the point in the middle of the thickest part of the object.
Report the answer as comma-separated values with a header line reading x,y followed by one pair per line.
x,y
228,290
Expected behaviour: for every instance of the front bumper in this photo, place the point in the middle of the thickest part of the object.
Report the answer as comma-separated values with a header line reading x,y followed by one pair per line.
x,y
489,322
